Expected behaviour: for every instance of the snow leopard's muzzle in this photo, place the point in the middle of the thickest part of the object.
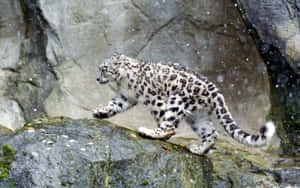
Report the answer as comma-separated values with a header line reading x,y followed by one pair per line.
x,y
104,74
108,72
101,78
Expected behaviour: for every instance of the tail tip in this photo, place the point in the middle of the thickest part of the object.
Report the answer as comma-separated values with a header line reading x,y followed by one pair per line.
x,y
269,129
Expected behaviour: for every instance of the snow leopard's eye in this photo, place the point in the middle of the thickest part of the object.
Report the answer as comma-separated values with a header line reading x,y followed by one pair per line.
x,y
103,68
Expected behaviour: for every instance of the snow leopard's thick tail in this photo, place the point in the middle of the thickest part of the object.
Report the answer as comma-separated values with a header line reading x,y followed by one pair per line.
x,y
224,116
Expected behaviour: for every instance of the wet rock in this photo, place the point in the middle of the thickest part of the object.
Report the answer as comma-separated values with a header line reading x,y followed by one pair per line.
x,y
61,152
274,25
89,153
289,176
235,166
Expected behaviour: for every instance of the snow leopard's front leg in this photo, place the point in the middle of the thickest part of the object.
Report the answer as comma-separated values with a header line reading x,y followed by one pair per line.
x,y
168,116
115,105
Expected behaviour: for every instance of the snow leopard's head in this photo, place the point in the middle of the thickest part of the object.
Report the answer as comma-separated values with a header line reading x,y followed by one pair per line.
x,y
109,70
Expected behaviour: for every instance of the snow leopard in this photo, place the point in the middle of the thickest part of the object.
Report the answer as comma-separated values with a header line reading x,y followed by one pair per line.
x,y
173,93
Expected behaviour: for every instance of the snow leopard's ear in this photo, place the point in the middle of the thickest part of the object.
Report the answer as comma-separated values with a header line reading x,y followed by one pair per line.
x,y
122,56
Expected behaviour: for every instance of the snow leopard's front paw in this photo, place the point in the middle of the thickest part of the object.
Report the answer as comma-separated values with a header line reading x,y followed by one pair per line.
x,y
103,112
156,133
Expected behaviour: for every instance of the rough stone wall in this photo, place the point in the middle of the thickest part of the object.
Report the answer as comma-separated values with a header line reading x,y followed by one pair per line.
x,y
58,45
11,37
274,26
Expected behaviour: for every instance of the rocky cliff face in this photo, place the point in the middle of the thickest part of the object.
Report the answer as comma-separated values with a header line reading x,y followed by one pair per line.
x,y
48,65
11,37
54,47
274,26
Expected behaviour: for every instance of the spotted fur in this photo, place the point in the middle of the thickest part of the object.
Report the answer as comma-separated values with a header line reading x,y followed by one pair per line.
x,y
173,93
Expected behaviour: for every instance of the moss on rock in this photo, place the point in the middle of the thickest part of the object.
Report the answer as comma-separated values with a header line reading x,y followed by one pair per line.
x,y
7,155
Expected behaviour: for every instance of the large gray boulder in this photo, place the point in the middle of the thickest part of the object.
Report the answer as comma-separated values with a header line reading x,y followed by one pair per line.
x,y
62,152
88,153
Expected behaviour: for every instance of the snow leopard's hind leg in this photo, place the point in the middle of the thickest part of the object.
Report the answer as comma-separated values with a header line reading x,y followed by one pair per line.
x,y
203,126
168,115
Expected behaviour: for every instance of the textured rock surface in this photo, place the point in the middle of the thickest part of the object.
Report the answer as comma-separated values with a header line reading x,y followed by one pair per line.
x,y
90,153
10,113
63,152
274,25
61,43
11,37
277,25
48,63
